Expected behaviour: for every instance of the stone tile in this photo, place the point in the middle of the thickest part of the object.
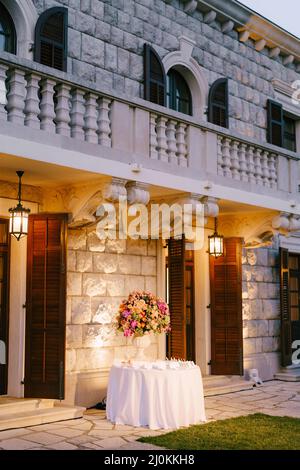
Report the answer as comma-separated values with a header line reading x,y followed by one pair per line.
x,y
68,432
80,440
90,445
62,446
111,443
42,438
16,444
13,433
106,433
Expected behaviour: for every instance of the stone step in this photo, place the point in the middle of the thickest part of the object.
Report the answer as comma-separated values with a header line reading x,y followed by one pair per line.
x,y
220,385
39,416
16,405
288,374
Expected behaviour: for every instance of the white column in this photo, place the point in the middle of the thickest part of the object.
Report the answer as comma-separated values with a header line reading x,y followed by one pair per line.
x,y
250,164
3,92
104,127
63,110
77,115
226,158
171,141
243,162
153,137
32,102
162,139
235,164
47,114
16,97
181,133
90,119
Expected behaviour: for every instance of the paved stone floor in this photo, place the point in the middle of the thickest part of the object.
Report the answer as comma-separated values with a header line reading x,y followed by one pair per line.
x,y
95,432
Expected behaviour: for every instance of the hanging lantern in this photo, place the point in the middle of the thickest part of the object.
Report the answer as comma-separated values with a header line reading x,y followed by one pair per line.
x,y
216,243
18,223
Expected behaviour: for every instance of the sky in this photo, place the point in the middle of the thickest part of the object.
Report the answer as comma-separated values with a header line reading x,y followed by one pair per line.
x,y
285,13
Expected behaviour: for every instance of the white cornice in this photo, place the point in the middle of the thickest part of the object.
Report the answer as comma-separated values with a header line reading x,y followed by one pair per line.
x,y
253,25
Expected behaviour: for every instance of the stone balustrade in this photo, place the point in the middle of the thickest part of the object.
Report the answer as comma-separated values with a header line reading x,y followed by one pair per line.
x,y
40,102
247,163
168,140
140,132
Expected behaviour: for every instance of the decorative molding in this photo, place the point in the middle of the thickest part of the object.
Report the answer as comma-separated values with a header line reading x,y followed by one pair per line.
x,y
115,189
191,6
288,59
86,214
210,17
211,207
244,36
274,52
227,26
286,222
193,73
260,45
137,193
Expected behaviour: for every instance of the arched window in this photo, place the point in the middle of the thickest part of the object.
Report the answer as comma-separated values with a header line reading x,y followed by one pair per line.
x,y
178,93
218,103
154,77
51,38
7,32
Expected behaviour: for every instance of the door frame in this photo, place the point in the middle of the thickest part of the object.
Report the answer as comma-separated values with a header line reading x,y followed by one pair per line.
x,y
6,250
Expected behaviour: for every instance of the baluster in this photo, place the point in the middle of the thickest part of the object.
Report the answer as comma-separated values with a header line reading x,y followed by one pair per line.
x,y
16,97
235,164
251,166
273,170
63,110
77,114
90,119
257,165
153,137
265,169
47,113
162,139
181,132
104,129
171,141
32,102
226,158
243,162
220,156
3,92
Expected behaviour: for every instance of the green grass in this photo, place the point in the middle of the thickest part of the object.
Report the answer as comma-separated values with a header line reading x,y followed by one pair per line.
x,y
253,432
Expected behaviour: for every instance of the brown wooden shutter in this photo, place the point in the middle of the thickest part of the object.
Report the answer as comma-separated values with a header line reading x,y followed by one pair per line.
x,y
286,334
218,103
51,38
275,123
45,307
226,310
177,300
154,77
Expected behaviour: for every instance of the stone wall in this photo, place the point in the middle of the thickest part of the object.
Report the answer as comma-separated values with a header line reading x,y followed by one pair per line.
x,y
100,275
261,310
106,41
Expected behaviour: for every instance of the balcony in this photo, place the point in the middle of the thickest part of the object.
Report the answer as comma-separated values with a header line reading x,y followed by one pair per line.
x,y
86,128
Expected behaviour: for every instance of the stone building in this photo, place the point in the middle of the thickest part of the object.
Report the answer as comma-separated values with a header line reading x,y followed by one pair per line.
x,y
155,101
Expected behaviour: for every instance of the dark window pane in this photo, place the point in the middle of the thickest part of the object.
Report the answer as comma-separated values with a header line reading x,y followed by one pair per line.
x,y
178,93
289,134
7,32
51,40
218,107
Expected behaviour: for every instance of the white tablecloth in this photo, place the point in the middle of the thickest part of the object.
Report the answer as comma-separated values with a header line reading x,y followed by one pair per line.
x,y
160,399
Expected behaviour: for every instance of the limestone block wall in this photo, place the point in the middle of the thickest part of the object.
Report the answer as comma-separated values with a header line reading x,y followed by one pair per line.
x,y
100,274
261,310
106,41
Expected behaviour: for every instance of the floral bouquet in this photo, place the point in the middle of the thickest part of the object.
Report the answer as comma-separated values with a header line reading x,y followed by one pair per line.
x,y
143,313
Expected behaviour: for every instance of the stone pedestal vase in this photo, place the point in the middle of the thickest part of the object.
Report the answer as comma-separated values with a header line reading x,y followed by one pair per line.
x,y
141,343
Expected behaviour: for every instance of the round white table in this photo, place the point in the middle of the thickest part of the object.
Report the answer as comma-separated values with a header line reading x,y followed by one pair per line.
x,y
160,399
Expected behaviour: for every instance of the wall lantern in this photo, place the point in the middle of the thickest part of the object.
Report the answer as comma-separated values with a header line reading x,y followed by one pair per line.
x,y
216,243
18,223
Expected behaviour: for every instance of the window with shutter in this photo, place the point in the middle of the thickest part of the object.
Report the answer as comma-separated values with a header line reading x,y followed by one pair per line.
x,y
154,77
45,306
286,335
218,103
51,38
7,31
275,123
226,310
178,93
177,298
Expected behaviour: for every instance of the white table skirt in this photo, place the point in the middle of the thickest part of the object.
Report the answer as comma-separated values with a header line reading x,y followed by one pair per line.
x,y
160,399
